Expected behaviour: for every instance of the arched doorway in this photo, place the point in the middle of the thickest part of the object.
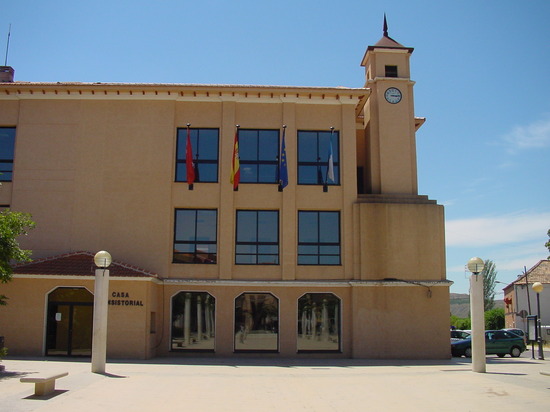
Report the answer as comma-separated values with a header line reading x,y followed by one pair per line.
x,y
69,322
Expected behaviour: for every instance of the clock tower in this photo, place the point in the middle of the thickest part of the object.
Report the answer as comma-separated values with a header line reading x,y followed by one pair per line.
x,y
389,122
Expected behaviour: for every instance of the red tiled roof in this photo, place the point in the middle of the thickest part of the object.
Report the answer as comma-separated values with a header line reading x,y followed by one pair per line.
x,y
77,264
538,273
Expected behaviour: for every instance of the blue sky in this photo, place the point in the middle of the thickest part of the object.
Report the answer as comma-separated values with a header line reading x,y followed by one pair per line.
x,y
481,71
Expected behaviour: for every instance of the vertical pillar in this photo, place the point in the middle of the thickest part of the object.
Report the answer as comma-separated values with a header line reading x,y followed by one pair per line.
x,y
187,320
207,317
199,318
478,323
99,336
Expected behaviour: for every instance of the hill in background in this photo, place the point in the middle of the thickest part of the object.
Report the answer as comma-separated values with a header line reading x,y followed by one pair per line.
x,y
460,304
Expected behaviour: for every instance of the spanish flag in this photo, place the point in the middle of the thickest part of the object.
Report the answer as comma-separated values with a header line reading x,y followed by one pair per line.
x,y
189,159
235,166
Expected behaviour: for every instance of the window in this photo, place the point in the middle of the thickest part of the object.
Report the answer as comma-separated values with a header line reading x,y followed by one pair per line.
x,y
205,154
313,155
258,155
318,322
7,144
257,237
257,322
391,71
318,238
193,315
195,236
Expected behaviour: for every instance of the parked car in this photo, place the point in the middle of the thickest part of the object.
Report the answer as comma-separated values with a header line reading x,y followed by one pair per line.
x,y
458,335
518,332
497,342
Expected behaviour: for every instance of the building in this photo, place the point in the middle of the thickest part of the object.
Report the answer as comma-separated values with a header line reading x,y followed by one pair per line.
x,y
344,261
521,300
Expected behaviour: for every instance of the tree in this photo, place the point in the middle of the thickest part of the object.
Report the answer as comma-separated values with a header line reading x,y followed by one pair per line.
x,y
547,244
494,319
12,225
489,277
461,323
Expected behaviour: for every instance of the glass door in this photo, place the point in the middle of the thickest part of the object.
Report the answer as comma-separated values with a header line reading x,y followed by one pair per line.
x,y
69,322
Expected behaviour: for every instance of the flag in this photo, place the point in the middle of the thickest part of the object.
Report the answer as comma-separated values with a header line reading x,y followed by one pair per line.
x,y
235,166
283,167
330,167
189,159
319,172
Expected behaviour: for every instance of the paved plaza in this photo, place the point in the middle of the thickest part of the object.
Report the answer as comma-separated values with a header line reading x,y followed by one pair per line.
x,y
254,384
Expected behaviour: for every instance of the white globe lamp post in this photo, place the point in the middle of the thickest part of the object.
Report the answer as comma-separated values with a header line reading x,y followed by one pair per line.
x,y
477,312
102,260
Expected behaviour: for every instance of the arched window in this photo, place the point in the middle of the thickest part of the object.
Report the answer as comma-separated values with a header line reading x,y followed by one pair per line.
x,y
193,321
257,322
319,322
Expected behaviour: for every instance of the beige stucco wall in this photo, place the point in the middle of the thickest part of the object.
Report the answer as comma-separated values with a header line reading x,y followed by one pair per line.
x,y
23,319
104,173
401,322
375,319
400,240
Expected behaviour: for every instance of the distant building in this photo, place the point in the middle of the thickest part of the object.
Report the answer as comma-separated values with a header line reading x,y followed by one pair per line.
x,y
343,261
520,300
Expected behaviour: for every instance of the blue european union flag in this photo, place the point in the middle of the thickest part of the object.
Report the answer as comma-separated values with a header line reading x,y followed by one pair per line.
x,y
283,168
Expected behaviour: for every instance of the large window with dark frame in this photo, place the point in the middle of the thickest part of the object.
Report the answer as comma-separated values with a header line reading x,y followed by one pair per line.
x,y
258,155
318,238
195,236
193,321
313,157
7,146
204,143
256,322
257,237
319,323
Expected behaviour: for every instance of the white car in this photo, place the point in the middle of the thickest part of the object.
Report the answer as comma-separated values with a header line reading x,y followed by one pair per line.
x,y
457,335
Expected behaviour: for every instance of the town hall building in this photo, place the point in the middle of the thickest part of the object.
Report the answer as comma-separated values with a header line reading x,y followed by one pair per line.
x,y
265,220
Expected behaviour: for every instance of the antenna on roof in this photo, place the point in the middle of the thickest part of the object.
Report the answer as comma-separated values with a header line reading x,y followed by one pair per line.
x,y
7,47
385,26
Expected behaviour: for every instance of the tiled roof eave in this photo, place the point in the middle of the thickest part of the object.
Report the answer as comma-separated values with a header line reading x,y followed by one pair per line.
x,y
77,264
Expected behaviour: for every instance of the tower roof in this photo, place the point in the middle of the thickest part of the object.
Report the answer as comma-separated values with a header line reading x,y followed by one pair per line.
x,y
386,42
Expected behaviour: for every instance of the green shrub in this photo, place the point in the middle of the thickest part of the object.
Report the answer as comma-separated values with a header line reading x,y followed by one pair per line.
x,y
494,319
461,323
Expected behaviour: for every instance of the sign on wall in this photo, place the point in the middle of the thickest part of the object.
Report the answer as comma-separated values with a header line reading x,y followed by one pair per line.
x,y
123,299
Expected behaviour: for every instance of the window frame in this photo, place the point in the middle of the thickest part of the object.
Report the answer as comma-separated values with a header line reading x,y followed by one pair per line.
x,y
321,164
257,244
7,175
196,242
243,161
337,318
319,244
181,162
391,70
193,330
239,328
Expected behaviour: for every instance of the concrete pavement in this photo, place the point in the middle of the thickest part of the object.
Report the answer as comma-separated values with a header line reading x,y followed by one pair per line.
x,y
259,384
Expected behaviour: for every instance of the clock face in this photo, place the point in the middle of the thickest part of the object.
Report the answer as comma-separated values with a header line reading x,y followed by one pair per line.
x,y
393,95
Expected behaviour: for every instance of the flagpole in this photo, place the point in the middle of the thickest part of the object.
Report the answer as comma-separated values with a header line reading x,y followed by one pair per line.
x,y
189,158
325,185
282,153
235,164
